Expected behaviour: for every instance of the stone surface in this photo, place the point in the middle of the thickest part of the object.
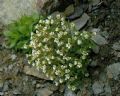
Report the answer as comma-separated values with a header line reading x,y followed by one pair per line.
x,y
43,92
69,92
43,3
118,55
1,94
1,84
69,10
108,90
13,9
34,72
78,11
98,39
93,63
113,71
105,34
96,49
97,87
81,22
97,30
57,12
6,87
95,2
116,46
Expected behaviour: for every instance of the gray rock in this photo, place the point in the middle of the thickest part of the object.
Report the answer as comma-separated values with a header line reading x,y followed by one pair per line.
x,y
97,30
103,77
68,92
118,55
56,13
1,69
77,13
1,84
113,71
105,34
34,72
6,87
43,92
81,22
96,49
69,10
13,9
107,89
43,3
116,46
98,39
13,56
16,92
1,94
97,87
95,2
93,63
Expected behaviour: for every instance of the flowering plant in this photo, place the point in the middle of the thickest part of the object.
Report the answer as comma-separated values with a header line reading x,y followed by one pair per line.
x,y
60,50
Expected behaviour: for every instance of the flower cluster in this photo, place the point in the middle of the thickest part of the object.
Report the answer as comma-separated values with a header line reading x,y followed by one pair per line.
x,y
60,50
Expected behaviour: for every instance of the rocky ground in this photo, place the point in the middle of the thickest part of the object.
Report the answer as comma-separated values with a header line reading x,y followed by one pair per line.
x,y
17,78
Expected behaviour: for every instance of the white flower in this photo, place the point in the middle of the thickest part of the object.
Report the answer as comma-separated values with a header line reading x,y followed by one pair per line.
x,y
62,19
57,29
46,47
40,44
61,81
57,72
87,74
49,62
40,21
49,17
56,83
45,28
62,23
67,71
75,38
56,40
52,57
69,86
79,65
68,45
52,21
58,52
67,76
75,62
52,33
73,88
47,22
76,77
86,36
45,40
51,78
44,68
58,16
76,33
43,62
54,67
79,42
72,25
94,33
65,33
70,65
63,27
62,67
47,75
37,26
